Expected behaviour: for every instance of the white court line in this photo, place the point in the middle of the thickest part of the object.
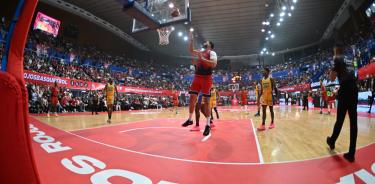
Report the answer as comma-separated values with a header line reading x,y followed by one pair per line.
x,y
258,146
205,138
197,161
133,129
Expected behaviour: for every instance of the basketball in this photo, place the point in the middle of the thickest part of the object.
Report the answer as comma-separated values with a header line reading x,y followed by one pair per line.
x,y
175,12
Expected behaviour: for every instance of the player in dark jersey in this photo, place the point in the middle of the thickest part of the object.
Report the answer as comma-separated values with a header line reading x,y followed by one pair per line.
x,y
202,82
347,101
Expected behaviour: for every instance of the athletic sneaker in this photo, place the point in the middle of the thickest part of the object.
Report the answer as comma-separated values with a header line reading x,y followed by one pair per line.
x,y
187,123
47,114
195,129
56,115
207,130
330,143
261,128
257,114
321,112
349,158
272,125
328,113
109,121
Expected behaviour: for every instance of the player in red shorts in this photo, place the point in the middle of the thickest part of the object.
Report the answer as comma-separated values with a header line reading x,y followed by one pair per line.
x,y
244,93
202,82
331,99
54,99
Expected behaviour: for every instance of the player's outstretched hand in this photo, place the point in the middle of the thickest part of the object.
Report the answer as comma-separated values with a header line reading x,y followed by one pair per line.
x,y
191,35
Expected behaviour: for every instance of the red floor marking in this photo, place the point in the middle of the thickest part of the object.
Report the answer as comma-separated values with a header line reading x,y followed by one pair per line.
x,y
324,170
231,141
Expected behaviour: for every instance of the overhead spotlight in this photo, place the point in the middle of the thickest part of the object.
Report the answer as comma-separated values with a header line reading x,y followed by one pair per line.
x,y
294,1
263,23
282,14
261,52
272,15
266,5
278,24
272,36
281,20
264,49
186,23
152,15
284,7
164,20
185,38
267,38
289,14
191,29
269,32
267,23
292,7
179,34
273,54
171,5
172,28
267,52
263,30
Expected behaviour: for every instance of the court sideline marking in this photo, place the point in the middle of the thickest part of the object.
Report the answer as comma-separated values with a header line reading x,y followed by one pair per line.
x,y
257,143
196,161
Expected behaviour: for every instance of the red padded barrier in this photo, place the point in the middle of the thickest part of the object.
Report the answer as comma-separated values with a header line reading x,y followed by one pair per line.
x,y
16,156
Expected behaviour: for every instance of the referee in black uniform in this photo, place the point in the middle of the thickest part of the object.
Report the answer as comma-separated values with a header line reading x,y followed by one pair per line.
x,y
347,100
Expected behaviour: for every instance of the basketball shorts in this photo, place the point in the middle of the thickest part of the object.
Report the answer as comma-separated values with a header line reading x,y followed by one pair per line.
x,y
267,101
213,103
54,100
244,102
110,100
201,84
175,103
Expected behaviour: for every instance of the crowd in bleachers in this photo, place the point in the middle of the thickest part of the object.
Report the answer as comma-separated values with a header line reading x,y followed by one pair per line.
x,y
59,57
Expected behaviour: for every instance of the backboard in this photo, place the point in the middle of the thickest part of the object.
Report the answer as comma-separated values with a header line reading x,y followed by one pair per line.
x,y
158,13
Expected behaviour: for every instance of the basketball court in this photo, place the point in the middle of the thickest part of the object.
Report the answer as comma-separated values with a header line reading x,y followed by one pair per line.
x,y
151,146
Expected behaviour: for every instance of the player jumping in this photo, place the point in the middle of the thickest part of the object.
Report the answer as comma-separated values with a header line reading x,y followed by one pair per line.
x,y
202,83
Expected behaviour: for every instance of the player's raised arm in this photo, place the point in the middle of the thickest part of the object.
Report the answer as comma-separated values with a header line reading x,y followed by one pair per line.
x,y
191,46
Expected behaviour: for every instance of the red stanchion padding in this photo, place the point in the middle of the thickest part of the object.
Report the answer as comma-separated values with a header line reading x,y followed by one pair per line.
x,y
17,157
15,153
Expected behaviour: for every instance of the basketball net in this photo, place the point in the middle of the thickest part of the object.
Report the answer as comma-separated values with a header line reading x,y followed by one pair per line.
x,y
164,33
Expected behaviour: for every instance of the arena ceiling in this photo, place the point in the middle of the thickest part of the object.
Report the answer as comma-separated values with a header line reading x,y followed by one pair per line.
x,y
234,26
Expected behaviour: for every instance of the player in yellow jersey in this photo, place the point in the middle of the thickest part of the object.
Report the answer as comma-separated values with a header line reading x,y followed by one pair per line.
x,y
267,86
257,96
213,102
109,91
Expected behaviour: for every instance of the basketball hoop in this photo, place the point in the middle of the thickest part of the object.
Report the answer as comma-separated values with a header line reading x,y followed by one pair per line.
x,y
164,33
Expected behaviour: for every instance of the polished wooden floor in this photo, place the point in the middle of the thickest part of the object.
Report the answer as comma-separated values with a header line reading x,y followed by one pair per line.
x,y
299,135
